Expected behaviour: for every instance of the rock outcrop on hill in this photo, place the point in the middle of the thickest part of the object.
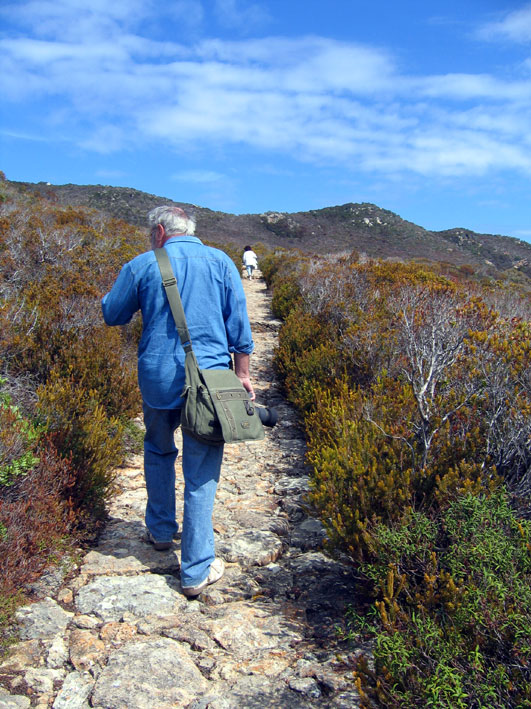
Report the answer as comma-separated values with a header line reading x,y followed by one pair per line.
x,y
366,228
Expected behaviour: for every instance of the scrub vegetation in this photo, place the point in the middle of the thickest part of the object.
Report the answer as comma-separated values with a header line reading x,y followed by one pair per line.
x,y
68,385
415,390
68,388
414,387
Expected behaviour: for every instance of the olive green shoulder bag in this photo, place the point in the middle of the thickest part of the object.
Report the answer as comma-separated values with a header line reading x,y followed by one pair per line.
x,y
216,408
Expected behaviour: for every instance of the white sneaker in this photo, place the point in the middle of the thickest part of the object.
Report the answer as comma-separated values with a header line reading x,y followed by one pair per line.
x,y
217,569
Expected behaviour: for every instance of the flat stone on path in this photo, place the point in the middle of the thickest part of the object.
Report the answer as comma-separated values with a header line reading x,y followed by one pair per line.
x,y
42,620
251,548
110,597
156,673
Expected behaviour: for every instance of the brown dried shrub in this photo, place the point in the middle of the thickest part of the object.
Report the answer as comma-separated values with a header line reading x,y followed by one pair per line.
x,y
36,517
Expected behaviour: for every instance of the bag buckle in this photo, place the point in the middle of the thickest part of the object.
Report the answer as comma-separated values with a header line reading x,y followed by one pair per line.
x,y
249,407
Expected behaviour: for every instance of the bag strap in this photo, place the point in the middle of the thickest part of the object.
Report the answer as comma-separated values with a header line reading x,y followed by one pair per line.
x,y
172,292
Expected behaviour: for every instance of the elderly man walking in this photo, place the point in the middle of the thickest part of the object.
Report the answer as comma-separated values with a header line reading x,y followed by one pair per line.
x,y
215,308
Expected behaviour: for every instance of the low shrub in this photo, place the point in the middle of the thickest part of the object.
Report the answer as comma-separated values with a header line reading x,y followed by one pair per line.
x,y
305,358
18,439
285,298
416,395
81,430
37,520
454,609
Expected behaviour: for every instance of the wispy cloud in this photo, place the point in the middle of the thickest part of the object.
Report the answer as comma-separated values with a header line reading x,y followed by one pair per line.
x,y
111,174
320,100
84,22
105,139
514,26
198,176
19,135
241,15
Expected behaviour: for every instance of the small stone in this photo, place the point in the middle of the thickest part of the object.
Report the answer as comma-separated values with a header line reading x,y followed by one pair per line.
x,y
257,691
329,679
206,664
57,653
42,680
13,701
306,668
137,557
45,701
197,639
116,634
65,596
42,620
110,597
157,673
78,582
88,622
75,691
292,486
306,686
251,548
86,650
23,655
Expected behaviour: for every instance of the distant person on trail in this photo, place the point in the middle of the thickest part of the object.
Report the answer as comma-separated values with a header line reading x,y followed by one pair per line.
x,y
214,303
250,261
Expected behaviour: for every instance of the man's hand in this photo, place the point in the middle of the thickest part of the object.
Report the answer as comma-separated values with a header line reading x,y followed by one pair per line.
x,y
241,369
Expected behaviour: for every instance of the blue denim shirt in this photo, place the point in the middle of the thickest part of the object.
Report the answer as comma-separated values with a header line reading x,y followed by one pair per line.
x,y
214,304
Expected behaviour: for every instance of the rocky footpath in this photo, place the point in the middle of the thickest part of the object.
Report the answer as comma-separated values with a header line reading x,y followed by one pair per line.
x,y
119,634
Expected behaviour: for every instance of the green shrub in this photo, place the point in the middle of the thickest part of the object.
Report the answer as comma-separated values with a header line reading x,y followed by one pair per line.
x,y
416,400
18,439
305,358
359,475
455,609
83,432
285,298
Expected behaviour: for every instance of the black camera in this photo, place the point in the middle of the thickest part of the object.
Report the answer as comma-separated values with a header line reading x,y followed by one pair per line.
x,y
268,416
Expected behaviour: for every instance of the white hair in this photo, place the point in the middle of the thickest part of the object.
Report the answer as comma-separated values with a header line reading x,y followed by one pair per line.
x,y
174,219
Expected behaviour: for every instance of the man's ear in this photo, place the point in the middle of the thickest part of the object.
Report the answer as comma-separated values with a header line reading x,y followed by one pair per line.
x,y
160,236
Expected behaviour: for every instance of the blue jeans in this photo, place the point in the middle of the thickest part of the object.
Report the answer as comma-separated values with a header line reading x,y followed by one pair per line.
x,y
201,469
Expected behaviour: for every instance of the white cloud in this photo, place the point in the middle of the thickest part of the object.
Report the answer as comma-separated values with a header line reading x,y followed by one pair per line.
x,y
19,135
84,22
514,26
198,176
470,87
76,20
110,174
317,99
105,140
238,15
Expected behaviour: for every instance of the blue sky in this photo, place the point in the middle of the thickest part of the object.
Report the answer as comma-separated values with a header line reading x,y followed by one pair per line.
x,y
283,105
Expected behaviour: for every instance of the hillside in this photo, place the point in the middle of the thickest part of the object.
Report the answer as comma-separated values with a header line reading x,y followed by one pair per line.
x,y
365,227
